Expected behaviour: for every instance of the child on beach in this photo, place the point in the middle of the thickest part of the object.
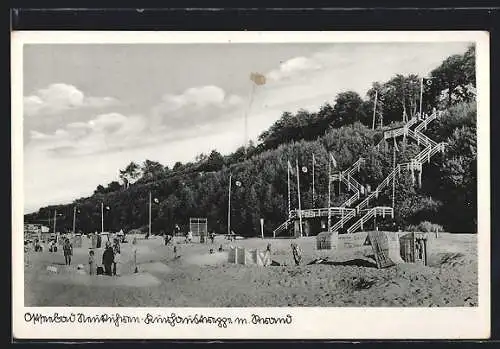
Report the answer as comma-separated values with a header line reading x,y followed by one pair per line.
x,y
91,262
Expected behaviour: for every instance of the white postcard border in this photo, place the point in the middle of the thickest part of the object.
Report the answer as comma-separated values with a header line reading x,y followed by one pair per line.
x,y
307,323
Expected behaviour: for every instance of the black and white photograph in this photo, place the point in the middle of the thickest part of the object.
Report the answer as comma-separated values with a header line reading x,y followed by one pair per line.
x,y
218,173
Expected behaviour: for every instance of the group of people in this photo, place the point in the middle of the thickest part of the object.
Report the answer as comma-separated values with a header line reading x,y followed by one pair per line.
x,y
110,257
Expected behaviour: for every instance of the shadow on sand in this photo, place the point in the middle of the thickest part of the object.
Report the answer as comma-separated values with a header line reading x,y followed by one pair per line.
x,y
353,262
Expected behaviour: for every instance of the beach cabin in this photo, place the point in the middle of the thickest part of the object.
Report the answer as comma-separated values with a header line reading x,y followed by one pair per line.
x,y
327,240
414,248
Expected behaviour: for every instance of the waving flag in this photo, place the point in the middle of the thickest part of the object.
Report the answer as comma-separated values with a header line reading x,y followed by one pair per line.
x,y
334,162
290,168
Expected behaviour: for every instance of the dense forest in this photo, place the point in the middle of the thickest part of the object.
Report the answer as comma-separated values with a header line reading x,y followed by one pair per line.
x,y
343,128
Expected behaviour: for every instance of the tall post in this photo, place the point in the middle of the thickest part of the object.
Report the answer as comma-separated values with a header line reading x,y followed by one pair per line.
x,y
229,206
374,109
149,213
102,217
74,219
394,177
329,193
313,190
421,94
289,194
298,194
55,220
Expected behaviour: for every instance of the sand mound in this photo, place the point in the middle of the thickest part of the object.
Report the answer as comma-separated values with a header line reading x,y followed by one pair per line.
x,y
156,267
208,259
131,280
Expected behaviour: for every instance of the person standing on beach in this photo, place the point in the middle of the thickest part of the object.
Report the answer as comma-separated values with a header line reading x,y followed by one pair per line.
x,y
68,251
116,254
91,263
108,259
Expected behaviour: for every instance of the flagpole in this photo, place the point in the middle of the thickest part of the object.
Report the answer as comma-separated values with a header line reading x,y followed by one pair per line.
x,y
298,193
329,191
421,94
74,218
55,220
102,217
149,213
374,109
313,192
229,206
394,178
289,197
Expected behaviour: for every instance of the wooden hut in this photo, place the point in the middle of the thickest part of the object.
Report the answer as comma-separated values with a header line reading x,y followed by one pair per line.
x,y
414,248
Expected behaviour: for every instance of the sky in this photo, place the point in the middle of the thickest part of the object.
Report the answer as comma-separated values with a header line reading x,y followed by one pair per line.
x,y
90,109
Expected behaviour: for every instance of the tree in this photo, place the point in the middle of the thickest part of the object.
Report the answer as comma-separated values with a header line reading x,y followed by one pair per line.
x,y
347,109
177,166
99,190
151,169
214,162
455,78
113,186
130,173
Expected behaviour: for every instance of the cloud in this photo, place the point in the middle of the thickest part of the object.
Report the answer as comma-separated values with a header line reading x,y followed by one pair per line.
x,y
195,106
294,67
105,132
175,117
59,97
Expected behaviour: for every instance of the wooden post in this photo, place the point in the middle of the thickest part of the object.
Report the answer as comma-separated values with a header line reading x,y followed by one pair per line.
x,y
149,214
262,227
313,190
298,194
229,206
289,195
374,109
329,193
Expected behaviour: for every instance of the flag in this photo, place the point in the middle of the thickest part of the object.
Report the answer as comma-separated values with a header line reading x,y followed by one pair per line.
x,y
238,183
334,162
156,200
427,81
258,79
290,168
304,169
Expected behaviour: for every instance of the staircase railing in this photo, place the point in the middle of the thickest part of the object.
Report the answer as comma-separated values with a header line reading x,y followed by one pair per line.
x,y
351,214
282,227
421,138
370,213
319,212
427,121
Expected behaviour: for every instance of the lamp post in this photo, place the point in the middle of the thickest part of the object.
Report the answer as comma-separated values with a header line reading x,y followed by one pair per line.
x,y
102,216
75,211
238,184
55,219
150,206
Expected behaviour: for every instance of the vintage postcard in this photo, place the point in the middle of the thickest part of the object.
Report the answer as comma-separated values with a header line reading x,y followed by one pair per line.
x,y
256,185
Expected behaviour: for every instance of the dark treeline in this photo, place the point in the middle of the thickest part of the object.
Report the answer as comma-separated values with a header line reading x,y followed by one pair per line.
x,y
200,188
